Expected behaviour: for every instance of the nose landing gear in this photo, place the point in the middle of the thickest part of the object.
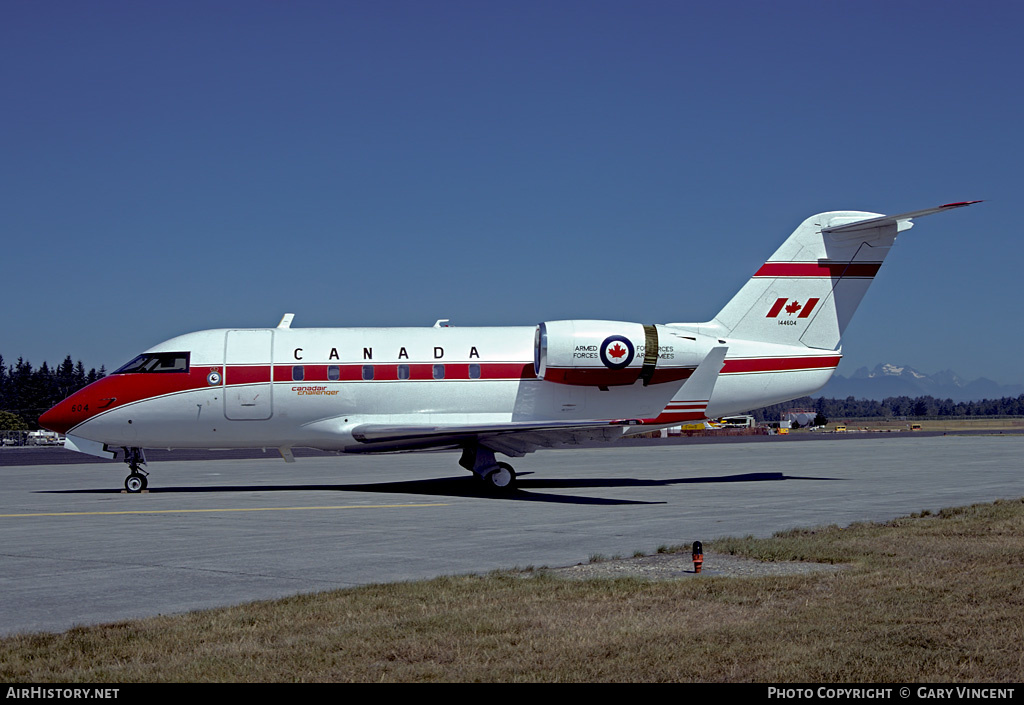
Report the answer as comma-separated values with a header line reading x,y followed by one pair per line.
x,y
136,480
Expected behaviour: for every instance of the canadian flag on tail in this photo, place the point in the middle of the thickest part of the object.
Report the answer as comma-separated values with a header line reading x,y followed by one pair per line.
x,y
792,307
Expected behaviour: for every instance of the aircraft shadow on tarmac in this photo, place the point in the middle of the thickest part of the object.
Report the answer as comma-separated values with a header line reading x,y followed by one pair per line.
x,y
465,486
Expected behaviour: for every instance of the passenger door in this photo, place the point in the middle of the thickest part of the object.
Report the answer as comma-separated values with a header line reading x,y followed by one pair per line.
x,y
248,386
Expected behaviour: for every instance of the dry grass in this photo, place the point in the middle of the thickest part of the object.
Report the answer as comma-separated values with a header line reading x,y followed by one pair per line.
x,y
929,598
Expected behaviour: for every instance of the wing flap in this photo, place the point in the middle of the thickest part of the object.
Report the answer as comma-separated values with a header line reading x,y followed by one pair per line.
x,y
515,439
512,439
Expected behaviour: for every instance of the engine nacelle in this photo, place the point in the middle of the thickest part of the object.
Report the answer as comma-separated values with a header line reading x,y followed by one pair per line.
x,y
614,353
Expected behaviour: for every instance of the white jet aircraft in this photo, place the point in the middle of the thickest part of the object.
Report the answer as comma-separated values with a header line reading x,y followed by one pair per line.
x,y
491,390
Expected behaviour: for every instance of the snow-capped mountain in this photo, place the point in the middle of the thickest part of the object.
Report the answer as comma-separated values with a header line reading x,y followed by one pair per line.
x,y
902,380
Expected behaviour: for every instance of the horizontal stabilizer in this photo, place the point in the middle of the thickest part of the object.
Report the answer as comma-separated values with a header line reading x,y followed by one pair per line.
x,y
892,219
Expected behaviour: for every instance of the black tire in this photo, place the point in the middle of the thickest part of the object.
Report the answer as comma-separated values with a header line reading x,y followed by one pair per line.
x,y
135,483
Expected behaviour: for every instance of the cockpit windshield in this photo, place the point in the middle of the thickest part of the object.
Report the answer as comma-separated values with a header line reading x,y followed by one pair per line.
x,y
156,362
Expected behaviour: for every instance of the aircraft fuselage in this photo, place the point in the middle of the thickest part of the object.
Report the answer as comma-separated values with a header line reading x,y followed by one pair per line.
x,y
277,387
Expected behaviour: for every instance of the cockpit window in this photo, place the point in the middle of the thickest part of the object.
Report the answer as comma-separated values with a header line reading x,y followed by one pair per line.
x,y
156,362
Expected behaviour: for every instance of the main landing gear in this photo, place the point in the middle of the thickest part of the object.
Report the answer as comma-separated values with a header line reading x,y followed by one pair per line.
x,y
136,480
500,478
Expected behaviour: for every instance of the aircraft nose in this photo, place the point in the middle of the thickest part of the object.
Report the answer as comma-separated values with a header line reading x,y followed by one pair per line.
x,y
82,405
58,418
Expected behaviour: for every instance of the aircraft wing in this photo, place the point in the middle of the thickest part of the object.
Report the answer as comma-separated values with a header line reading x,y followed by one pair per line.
x,y
512,439
515,439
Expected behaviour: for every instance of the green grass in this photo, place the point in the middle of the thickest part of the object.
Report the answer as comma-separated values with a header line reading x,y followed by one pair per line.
x,y
926,598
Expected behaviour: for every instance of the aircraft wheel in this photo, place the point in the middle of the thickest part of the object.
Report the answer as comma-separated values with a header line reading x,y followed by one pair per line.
x,y
502,478
135,482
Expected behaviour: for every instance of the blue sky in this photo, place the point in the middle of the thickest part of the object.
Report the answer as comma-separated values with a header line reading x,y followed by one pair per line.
x,y
169,167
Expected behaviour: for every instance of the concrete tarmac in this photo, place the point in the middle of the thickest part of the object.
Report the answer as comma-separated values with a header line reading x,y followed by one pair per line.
x,y
75,550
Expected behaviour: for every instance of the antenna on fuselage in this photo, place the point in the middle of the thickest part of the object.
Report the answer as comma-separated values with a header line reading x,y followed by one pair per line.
x,y
286,320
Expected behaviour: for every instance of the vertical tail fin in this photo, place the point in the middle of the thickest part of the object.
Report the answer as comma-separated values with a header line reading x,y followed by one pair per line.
x,y
807,291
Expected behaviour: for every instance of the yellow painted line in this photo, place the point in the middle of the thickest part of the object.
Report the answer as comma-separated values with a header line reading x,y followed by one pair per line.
x,y
207,511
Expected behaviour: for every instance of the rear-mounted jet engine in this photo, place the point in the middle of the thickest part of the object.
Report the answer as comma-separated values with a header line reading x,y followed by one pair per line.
x,y
614,353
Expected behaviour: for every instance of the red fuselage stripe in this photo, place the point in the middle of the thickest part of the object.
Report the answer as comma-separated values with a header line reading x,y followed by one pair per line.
x,y
129,388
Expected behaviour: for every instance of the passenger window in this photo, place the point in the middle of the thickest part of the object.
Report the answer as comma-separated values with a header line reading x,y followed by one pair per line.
x,y
333,373
298,373
367,372
474,371
438,371
403,372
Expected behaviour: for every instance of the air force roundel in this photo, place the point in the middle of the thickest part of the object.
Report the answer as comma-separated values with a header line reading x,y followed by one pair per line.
x,y
616,352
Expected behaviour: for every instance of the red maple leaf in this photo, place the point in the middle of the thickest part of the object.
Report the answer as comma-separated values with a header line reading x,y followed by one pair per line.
x,y
793,308
618,351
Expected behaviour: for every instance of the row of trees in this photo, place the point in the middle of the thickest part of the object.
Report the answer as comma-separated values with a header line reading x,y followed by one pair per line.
x,y
27,392
894,407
